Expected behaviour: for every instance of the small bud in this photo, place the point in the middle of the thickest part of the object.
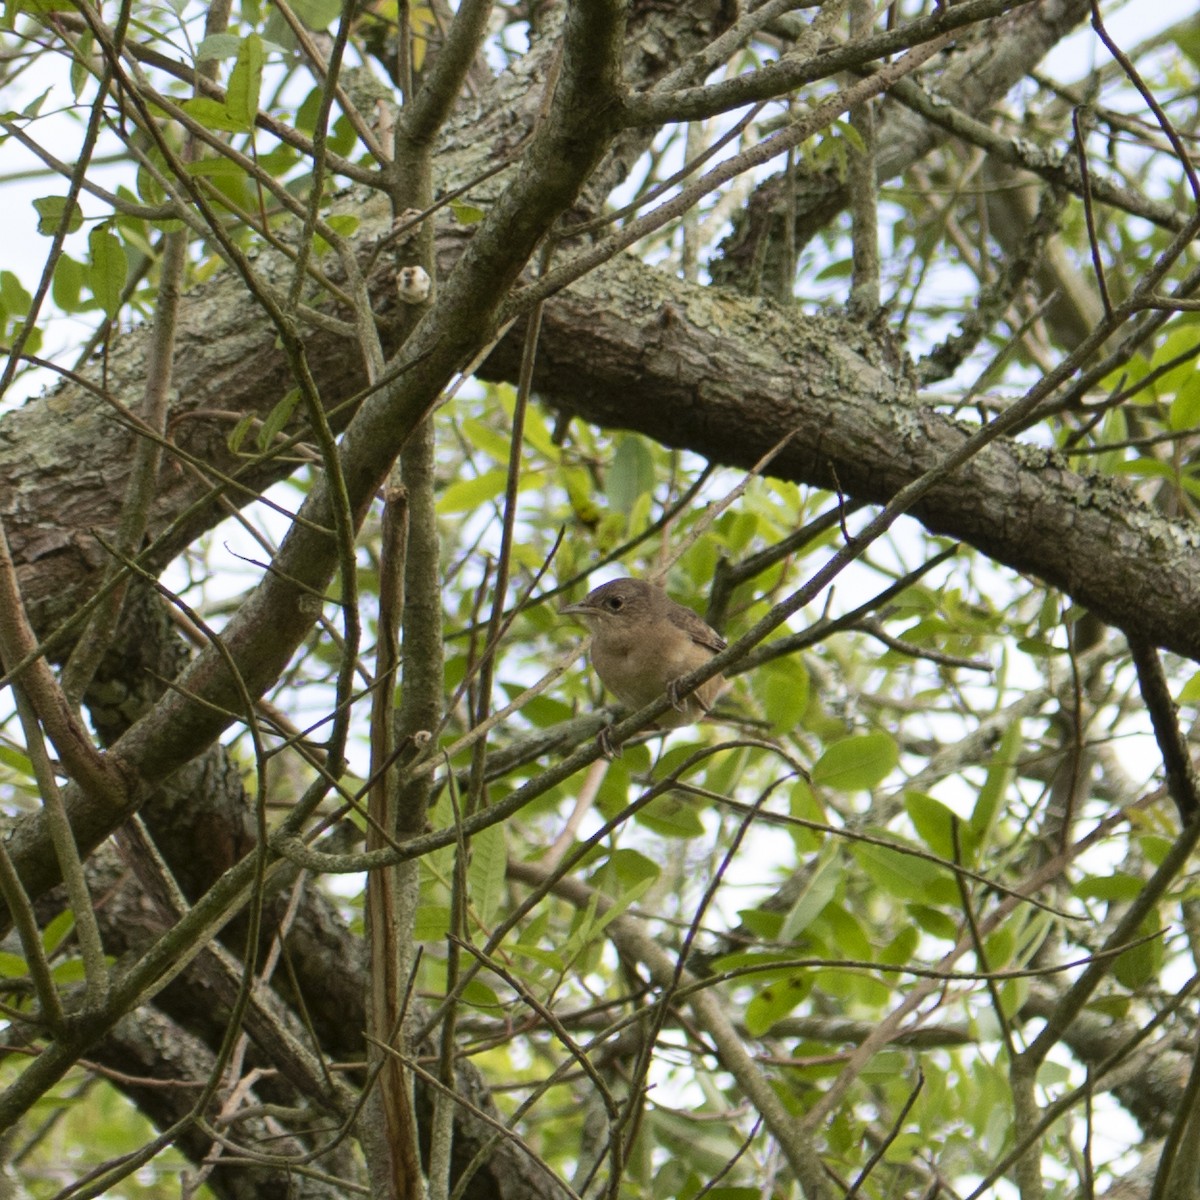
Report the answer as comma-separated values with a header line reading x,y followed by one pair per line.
x,y
413,284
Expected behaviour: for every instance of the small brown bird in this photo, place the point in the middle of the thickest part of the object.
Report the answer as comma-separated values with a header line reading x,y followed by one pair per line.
x,y
643,642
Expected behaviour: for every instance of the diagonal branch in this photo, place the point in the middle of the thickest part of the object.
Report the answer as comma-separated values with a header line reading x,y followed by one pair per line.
x,y
1182,781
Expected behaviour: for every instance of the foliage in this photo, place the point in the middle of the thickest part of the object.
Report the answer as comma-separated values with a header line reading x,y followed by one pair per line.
x,y
355,903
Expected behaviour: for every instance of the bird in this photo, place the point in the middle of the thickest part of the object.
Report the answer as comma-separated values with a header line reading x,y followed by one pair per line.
x,y
643,642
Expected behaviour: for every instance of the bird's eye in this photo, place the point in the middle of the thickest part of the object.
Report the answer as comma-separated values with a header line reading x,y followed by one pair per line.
x,y
614,603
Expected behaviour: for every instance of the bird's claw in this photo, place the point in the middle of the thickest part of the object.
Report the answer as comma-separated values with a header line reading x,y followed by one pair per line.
x,y
604,741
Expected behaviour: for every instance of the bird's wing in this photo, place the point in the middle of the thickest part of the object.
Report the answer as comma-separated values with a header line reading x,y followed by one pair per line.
x,y
708,637
698,630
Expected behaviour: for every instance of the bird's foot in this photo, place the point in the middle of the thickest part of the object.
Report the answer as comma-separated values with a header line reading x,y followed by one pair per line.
x,y
604,741
677,702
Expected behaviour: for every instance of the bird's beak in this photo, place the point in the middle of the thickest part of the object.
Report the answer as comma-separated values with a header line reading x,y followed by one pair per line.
x,y
574,610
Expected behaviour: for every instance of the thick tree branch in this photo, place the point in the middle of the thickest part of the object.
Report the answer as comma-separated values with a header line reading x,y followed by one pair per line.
x,y
977,76
787,74
270,624
722,376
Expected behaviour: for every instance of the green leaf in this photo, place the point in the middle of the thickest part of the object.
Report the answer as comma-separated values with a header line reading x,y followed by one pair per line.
x,y
13,296
998,947
672,815
14,8
489,858
1190,692
1149,467
466,214
1051,1074
821,887
933,921
149,188
277,31
886,1066
277,418
70,970
613,794
531,480
1140,964
222,169
1116,1008
905,875
465,495
245,83
775,1001
803,803
12,966
58,928
1036,648
846,130
726,771
16,762
625,876
280,159
431,923
317,14
33,343
934,823
902,949
51,210
1181,341
633,872
306,114
107,267
542,711
34,106
212,114
67,286
688,1148
631,474
857,763
484,437
80,64
1119,887
238,435
342,136
1013,994
846,932
218,45
764,925
540,436
1187,38
838,269
1185,408
783,687
550,959
996,784
479,995
1155,847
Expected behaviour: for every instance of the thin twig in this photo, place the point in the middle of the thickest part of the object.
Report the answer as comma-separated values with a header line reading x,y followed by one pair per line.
x,y
1089,212
1152,103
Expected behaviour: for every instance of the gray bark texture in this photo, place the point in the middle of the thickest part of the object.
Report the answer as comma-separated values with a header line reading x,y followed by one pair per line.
x,y
706,369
